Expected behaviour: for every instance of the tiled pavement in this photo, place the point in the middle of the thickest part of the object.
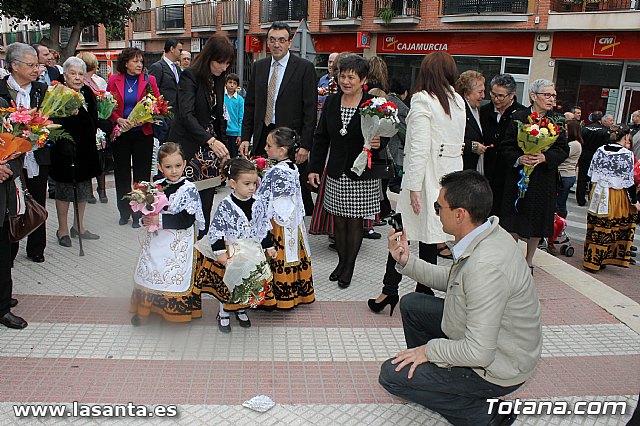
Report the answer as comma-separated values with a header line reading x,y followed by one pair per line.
x,y
319,362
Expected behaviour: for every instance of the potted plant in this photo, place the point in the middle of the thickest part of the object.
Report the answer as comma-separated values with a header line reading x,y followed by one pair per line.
x,y
386,14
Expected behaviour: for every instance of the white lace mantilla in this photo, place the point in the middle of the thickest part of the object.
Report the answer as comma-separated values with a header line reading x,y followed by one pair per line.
x,y
612,169
186,198
609,170
281,195
230,222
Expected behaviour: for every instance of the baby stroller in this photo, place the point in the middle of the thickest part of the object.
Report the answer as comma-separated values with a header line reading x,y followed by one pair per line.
x,y
560,238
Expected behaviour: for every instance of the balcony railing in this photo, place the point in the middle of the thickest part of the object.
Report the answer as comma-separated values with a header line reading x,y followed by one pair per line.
x,y
341,9
13,37
592,5
479,7
142,21
204,14
389,9
230,12
170,18
283,10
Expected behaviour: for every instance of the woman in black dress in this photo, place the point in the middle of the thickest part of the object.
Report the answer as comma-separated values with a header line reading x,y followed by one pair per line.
x,y
532,217
199,121
80,151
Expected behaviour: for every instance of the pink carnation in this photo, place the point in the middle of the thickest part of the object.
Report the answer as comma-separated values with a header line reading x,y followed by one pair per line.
x,y
20,117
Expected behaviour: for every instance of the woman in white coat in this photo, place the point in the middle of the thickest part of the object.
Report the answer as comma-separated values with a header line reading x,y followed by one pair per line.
x,y
433,148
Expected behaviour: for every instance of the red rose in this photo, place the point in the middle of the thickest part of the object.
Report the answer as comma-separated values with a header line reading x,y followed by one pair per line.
x,y
534,132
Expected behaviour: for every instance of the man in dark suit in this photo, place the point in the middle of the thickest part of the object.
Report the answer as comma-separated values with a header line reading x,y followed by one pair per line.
x,y
46,73
167,74
282,92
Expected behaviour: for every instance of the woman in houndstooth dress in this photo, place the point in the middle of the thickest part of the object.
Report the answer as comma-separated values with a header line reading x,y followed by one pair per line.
x,y
347,197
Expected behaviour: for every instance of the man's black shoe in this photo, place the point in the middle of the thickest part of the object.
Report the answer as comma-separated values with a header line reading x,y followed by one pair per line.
x,y
12,321
37,259
372,235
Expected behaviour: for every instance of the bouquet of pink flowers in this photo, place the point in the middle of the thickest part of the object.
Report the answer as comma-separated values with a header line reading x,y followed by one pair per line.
x,y
262,164
106,104
379,117
150,109
30,127
147,198
61,101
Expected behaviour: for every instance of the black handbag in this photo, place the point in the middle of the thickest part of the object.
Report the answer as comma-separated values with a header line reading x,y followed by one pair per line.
x,y
205,170
382,166
20,226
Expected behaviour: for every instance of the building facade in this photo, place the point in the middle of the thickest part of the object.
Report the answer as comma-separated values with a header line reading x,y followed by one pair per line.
x,y
589,47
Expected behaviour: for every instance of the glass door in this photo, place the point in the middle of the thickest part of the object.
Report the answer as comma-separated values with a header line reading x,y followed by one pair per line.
x,y
629,102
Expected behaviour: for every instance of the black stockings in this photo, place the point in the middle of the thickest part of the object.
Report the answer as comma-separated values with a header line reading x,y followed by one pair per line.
x,y
348,234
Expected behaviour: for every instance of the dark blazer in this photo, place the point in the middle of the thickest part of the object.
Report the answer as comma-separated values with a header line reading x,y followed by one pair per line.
x,y
55,74
193,113
81,147
166,80
295,105
38,90
344,149
116,87
472,133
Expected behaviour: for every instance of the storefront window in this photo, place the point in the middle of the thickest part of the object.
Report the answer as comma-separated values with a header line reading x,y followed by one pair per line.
x,y
591,85
633,73
516,66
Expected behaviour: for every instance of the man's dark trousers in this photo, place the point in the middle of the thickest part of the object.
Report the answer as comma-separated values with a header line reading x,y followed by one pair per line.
x,y
458,393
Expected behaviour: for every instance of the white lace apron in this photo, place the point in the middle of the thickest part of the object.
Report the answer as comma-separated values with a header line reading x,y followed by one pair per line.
x,y
166,259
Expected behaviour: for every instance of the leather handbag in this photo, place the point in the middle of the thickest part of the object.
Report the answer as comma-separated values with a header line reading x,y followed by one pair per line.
x,y
205,170
20,226
382,166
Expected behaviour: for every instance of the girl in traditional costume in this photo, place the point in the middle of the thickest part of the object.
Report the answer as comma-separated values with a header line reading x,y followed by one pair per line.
x,y
281,195
239,235
613,205
163,278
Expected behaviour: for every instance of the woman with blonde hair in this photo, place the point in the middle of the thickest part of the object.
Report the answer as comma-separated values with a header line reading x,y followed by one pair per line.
x,y
470,85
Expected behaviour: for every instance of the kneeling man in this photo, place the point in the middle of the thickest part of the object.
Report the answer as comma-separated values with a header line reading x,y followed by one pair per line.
x,y
484,339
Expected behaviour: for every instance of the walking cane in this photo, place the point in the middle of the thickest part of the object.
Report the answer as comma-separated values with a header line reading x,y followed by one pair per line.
x,y
76,211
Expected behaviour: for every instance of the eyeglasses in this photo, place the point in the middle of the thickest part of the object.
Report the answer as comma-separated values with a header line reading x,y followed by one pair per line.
x,y
500,96
28,64
280,40
548,95
437,207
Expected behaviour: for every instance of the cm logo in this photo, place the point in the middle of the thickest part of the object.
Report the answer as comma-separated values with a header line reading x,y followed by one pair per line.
x,y
390,42
604,45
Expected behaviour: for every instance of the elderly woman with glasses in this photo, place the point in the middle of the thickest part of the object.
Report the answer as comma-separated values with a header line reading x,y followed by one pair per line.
x,y
74,160
494,119
21,88
532,217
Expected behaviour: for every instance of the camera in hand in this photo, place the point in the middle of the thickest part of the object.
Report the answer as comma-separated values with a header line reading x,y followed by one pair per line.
x,y
396,222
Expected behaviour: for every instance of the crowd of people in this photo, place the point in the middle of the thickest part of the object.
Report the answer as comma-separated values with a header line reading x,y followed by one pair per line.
x,y
467,186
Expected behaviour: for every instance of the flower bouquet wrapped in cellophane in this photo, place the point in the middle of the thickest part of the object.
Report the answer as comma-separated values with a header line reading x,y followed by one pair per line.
x,y
106,103
149,109
25,130
378,117
534,137
61,101
147,198
247,273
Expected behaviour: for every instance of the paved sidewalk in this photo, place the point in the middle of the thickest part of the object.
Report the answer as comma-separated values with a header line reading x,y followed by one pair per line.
x,y
319,362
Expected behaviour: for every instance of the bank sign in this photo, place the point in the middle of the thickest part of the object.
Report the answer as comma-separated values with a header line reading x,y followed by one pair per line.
x,y
487,44
595,45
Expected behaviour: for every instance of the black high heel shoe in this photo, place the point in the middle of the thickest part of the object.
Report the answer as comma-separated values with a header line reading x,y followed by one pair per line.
x,y
391,300
335,275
